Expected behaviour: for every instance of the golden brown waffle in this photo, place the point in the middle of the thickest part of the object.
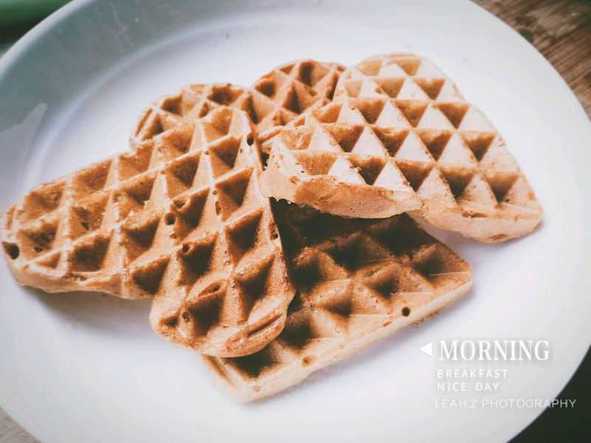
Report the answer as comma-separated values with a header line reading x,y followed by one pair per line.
x,y
275,98
180,219
291,89
193,101
356,281
453,158
400,76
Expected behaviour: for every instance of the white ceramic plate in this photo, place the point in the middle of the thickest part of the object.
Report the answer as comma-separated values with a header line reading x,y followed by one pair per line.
x,y
88,368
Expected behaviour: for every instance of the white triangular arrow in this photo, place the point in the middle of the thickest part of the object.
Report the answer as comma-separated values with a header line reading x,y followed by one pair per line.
x,y
428,349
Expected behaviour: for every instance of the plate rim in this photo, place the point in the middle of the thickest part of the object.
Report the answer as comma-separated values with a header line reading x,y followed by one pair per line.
x,y
66,12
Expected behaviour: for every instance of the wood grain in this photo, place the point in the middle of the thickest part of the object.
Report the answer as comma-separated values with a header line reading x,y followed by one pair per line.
x,y
10,432
560,30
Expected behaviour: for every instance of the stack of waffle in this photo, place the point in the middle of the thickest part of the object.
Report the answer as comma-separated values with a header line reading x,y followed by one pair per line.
x,y
276,228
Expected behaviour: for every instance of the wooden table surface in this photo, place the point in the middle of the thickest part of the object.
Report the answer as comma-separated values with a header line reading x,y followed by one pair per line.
x,y
559,29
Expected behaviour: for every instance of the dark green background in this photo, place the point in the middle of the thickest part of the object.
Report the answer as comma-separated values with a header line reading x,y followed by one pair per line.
x,y
18,15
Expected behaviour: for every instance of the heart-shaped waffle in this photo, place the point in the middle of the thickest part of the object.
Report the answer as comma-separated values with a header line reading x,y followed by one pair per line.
x,y
180,219
396,126
357,281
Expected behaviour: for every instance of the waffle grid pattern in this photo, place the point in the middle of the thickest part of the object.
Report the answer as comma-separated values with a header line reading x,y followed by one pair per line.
x,y
291,89
338,160
191,102
400,76
356,281
275,99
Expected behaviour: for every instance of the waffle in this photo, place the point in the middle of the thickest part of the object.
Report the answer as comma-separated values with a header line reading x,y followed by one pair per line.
x,y
400,76
193,101
356,281
444,148
275,99
291,89
180,219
